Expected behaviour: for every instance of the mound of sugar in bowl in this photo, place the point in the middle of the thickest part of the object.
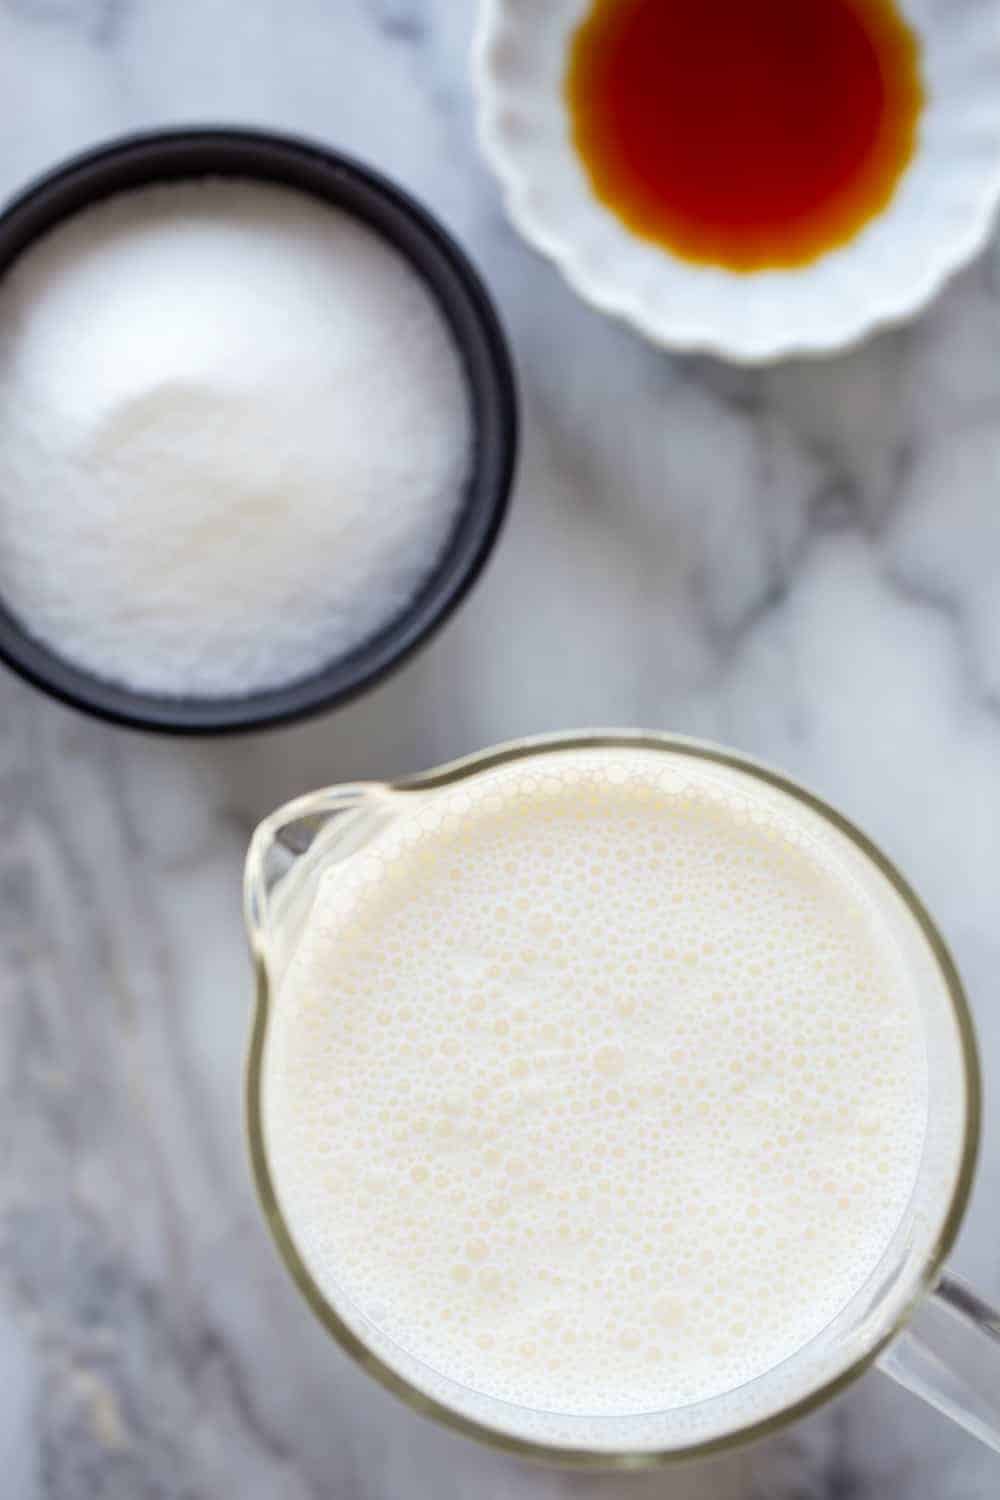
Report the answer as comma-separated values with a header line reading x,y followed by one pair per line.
x,y
234,437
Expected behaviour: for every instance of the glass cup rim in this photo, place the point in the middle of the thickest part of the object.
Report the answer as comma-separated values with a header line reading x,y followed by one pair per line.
x,y
449,774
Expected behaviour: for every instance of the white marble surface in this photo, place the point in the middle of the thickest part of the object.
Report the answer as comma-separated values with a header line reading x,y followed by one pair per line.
x,y
802,561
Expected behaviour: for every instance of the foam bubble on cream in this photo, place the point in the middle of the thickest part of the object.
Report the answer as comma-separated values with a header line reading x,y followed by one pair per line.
x,y
595,1082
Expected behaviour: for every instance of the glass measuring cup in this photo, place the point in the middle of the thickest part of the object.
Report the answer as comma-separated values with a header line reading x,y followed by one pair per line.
x,y
920,1325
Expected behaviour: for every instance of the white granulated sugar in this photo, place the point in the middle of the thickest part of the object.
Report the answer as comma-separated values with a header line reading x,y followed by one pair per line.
x,y
234,437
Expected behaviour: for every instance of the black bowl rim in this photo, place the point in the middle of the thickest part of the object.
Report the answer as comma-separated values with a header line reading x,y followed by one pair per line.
x,y
486,502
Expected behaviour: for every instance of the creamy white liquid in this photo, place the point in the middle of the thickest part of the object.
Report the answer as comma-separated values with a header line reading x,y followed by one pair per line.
x,y
596,1082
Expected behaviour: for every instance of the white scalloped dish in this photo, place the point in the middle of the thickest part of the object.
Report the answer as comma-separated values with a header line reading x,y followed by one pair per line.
x,y
938,217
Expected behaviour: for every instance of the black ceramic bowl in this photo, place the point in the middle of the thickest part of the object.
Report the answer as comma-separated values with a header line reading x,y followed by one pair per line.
x,y
173,155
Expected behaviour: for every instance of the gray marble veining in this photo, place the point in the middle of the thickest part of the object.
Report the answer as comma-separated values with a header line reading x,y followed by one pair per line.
x,y
803,561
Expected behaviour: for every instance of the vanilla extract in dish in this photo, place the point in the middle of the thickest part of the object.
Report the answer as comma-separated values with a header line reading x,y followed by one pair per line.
x,y
235,435
748,134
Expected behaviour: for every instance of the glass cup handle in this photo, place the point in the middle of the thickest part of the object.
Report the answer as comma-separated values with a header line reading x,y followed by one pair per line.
x,y
949,1354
